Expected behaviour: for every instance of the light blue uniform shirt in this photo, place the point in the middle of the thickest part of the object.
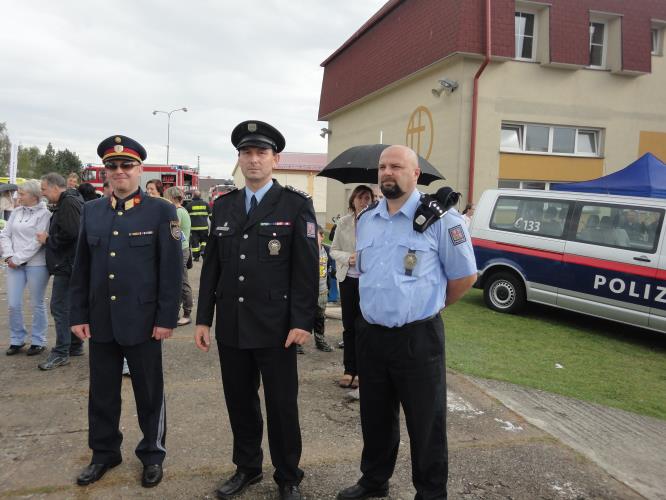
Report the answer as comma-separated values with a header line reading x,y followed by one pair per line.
x,y
389,296
259,194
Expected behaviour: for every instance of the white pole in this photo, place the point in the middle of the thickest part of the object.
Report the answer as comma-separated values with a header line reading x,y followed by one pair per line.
x,y
381,137
13,163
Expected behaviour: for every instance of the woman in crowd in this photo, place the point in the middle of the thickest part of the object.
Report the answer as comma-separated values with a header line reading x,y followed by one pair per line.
x,y
155,188
343,250
175,196
6,204
26,263
468,213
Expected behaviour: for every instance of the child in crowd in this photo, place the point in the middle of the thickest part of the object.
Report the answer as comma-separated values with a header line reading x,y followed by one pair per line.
x,y
320,318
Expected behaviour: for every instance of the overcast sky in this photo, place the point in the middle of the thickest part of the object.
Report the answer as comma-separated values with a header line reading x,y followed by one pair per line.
x,y
75,72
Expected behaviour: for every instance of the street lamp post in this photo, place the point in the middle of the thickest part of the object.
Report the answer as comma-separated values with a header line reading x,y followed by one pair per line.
x,y
168,113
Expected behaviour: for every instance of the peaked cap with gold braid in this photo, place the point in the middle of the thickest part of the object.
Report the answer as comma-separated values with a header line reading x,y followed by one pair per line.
x,y
120,146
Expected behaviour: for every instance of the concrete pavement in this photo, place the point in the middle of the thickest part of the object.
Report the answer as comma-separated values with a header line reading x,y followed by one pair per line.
x,y
495,453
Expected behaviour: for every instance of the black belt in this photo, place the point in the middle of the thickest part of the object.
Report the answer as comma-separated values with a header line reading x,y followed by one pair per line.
x,y
406,325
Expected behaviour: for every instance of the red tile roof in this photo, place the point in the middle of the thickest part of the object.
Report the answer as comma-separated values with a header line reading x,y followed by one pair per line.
x,y
311,162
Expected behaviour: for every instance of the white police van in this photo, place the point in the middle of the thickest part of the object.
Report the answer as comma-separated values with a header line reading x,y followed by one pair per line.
x,y
602,255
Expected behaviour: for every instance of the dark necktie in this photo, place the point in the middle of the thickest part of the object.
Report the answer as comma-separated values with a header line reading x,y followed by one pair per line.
x,y
253,205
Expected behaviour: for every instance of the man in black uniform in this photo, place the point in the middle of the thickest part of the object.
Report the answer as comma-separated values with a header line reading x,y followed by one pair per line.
x,y
199,212
261,271
125,290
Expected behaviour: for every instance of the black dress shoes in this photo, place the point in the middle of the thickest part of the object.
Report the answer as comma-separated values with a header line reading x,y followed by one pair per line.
x,y
357,492
152,475
94,472
290,492
14,349
237,484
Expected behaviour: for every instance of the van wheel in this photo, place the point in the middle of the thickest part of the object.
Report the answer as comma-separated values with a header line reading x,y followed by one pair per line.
x,y
505,293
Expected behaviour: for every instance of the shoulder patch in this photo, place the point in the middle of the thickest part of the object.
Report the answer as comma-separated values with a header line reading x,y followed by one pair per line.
x,y
457,235
298,191
369,207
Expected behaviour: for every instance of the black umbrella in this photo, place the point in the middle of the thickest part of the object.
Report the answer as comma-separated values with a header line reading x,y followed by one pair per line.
x,y
359,164
8,187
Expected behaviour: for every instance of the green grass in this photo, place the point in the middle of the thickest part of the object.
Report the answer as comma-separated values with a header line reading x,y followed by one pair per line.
x,y
603,362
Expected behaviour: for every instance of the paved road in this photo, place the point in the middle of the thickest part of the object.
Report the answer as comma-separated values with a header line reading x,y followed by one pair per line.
x,y
494,452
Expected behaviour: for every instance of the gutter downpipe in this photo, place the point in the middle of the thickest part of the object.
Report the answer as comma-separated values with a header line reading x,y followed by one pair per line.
x,y
475,99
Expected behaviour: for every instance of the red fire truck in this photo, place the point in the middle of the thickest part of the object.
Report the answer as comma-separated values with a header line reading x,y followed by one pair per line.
x,y
182,176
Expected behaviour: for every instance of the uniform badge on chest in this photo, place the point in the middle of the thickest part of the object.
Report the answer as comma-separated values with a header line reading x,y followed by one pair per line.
x,y
274,247
410,262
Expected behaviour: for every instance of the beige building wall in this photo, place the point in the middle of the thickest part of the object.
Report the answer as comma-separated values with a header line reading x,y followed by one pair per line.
x,y
392,117
622,106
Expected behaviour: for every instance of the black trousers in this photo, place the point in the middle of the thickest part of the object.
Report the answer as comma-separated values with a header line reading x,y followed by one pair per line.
x,y
106,365
404,366
350,302
198,240
241,372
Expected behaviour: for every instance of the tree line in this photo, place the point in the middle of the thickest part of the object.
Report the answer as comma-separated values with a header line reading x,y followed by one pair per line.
x,y
32,163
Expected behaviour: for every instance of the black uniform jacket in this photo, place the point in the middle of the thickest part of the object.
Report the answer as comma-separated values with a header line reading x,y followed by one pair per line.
x,y
127,275
63,231
262,271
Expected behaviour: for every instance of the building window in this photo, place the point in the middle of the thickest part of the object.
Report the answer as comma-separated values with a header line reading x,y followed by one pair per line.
x,y
598,43
512,137
657,34
525,35
549,139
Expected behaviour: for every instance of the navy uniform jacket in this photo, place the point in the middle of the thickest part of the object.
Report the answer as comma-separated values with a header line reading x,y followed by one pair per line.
x,y
127,274
261,272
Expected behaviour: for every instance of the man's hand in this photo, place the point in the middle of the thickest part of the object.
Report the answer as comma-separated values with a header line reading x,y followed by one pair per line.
x,y
160,333
297,336
11,264
202,337
82,331
42,236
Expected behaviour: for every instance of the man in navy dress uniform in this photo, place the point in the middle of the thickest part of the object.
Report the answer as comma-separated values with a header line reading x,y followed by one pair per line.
x,y
261,272
125,289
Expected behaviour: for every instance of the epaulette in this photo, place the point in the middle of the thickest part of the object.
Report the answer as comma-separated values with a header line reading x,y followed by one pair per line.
x,y
225,194
369,207
298,191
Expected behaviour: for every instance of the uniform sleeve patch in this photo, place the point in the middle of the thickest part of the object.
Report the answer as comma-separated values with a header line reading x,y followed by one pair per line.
x,y
457,235
175,229
311,229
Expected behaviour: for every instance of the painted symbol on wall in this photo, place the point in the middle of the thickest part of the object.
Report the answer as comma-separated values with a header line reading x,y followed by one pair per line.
x,y
420,132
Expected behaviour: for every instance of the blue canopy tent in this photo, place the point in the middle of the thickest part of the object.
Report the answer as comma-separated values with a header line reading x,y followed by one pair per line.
x,y
645,177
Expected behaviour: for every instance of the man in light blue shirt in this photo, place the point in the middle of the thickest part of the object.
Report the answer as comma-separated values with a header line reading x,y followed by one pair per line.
x,y
407,278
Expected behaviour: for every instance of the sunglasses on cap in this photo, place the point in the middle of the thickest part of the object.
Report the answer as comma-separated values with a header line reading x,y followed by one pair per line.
x,y
125,165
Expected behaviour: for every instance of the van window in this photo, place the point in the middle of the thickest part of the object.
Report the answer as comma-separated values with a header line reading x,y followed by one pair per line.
x,y
620,226
542,217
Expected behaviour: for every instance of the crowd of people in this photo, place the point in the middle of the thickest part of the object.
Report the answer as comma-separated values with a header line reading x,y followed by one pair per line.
x,y
120,265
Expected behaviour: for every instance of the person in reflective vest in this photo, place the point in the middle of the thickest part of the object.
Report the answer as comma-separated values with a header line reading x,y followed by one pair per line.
x,y
199,212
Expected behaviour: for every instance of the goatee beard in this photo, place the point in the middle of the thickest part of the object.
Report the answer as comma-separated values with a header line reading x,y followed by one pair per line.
x,y
391,192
